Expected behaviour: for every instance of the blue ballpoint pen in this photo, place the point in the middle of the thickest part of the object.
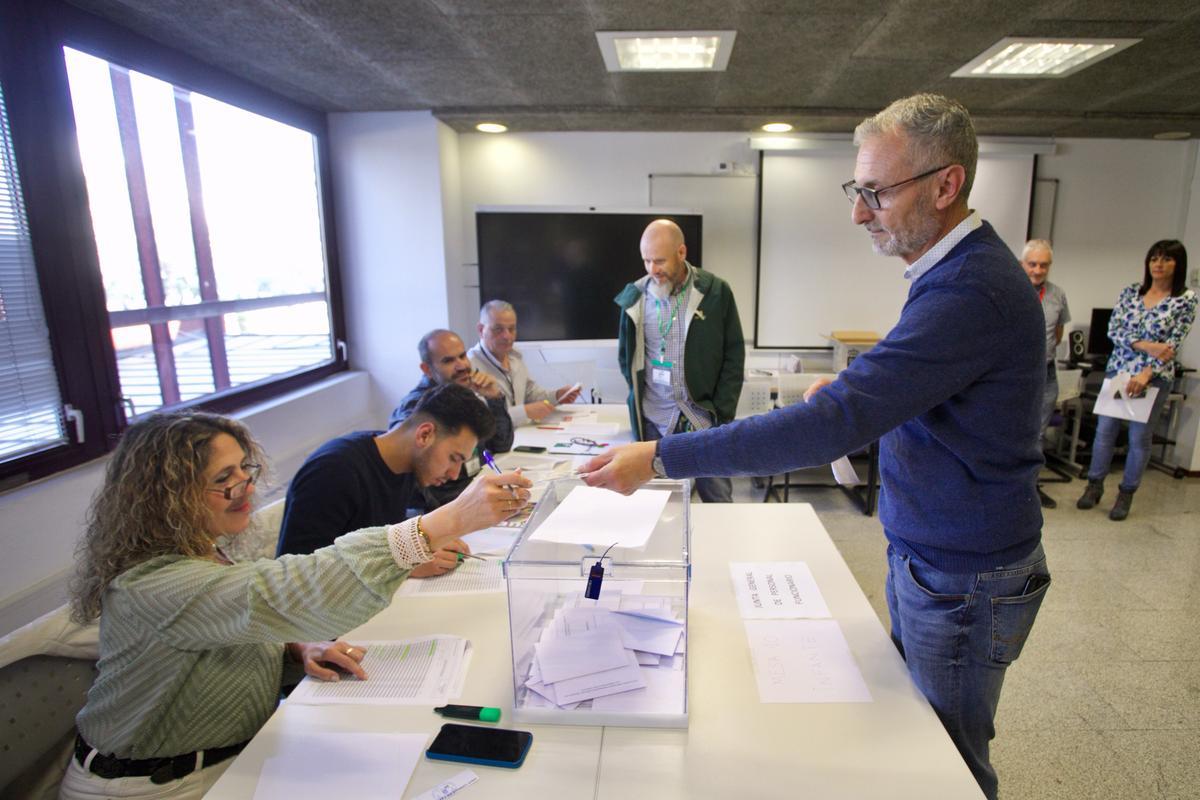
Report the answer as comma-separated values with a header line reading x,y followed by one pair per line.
x,y
491,462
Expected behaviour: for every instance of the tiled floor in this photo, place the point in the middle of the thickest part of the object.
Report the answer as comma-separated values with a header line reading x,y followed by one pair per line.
x,y
1105,699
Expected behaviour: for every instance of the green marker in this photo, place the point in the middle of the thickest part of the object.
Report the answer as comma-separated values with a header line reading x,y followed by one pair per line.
x,y
479,713
462,556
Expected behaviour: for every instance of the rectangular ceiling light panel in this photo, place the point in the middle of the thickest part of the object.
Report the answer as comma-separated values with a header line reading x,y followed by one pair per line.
x,y
673,51
1028,57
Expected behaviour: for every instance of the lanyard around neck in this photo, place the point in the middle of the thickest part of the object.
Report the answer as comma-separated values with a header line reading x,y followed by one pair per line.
x,y
664,330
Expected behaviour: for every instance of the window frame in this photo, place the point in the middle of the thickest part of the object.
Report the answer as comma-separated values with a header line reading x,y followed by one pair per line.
x,y
42,126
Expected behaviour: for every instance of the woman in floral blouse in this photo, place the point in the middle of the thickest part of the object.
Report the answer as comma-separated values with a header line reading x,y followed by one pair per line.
x,y
1147,328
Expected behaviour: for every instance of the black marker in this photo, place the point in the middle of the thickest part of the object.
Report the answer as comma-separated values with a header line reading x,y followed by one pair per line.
x,y
480,713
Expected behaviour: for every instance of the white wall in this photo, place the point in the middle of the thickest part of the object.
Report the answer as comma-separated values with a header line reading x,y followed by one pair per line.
x,y
41,522
389,197
1115,199
1189,423
579,169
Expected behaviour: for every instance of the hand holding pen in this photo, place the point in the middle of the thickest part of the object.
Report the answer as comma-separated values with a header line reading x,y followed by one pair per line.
x,y
517,501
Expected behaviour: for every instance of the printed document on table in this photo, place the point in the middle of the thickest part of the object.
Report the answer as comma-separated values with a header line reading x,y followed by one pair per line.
x,y
804,661
472,576
407,672
777,590
589,515
1114,401
316,766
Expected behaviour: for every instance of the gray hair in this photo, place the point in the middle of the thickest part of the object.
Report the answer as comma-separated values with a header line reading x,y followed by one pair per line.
x,y
423,346
494,307
939,132
1037,244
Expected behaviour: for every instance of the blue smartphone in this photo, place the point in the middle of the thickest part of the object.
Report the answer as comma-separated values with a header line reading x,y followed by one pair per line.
x,y
472,744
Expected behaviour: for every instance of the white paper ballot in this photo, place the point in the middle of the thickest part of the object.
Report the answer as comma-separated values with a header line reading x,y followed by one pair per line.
x,y
777,590
804,661
663,694
584,654
648,635
1114,401
844,473
317,766
601,684
589,515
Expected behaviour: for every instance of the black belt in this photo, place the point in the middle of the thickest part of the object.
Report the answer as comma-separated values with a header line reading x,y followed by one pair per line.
x,y
160,770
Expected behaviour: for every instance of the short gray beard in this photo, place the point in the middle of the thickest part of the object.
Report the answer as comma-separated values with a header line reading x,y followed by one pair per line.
x,y
913,239
661,291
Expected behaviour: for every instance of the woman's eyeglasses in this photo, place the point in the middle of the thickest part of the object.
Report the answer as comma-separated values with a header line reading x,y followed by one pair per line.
x,y
235,490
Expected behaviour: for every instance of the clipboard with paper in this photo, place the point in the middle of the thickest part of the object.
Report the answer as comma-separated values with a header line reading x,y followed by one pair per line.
x,y
1115,401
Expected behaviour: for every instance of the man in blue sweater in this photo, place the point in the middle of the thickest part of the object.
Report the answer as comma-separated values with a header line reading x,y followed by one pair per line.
x,y
952,393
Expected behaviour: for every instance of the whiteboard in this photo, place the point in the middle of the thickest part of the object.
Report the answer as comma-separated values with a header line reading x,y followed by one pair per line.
x,y
730,208
817,271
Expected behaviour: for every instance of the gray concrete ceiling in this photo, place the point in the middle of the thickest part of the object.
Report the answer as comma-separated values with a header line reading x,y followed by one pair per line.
x,y
819,64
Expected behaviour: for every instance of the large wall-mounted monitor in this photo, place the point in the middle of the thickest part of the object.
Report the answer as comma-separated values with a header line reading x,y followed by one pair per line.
x,y
562,269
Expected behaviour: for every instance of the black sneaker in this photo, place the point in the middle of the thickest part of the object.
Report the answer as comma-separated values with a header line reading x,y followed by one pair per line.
x,y
1047,500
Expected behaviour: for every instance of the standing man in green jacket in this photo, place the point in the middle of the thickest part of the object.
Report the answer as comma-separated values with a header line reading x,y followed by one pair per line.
x,y
680,347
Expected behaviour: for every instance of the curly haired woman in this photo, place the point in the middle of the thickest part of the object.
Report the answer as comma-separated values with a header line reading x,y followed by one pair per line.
x,y
193,646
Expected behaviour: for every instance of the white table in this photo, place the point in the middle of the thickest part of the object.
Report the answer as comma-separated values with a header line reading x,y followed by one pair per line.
x,y
734,746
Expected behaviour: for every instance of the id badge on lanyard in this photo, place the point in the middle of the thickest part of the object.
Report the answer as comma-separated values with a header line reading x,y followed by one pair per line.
x,y
660,372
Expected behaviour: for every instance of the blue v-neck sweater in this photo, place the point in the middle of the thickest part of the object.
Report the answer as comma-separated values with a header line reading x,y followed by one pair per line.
x,y
953,393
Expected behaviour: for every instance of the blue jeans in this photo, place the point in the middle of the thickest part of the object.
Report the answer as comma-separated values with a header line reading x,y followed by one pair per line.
x,y
711,490
958,633
1140,439
1049,396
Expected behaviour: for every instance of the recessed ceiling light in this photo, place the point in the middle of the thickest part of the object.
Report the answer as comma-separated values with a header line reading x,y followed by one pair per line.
x,y
678,51
491,127
1028,57
777,127
1170,136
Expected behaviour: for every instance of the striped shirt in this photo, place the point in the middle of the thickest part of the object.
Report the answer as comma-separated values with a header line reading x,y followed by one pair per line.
x,y
192,651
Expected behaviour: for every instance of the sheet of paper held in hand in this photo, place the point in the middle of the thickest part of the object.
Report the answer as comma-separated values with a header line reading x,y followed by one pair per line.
x,y
804,661
317,766
1114,401
777,590
589,515
408,672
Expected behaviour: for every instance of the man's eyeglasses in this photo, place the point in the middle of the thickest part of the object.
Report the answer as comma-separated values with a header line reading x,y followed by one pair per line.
x,y
871,196
236,490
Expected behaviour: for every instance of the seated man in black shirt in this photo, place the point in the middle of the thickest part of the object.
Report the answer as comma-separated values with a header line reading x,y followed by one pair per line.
x,y
374,478
444,361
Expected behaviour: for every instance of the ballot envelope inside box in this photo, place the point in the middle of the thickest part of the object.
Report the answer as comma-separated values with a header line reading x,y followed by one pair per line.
x,y
607,651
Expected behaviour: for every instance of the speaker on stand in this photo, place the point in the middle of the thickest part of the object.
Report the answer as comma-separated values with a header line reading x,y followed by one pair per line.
x,y
1076,346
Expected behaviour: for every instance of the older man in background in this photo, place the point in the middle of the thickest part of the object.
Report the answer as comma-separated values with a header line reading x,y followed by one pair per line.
x,y
496,357
1036,258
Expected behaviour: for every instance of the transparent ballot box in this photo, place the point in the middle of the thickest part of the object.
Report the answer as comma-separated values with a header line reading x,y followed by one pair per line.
x,y
620,658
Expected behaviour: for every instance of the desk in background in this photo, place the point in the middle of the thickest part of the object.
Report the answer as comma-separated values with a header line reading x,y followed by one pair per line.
x,y
735,746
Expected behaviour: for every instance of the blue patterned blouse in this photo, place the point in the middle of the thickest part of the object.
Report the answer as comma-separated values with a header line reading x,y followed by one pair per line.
x,y
1168,321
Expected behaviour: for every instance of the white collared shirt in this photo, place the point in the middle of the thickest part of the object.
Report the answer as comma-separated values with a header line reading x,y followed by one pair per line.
x,y
944,246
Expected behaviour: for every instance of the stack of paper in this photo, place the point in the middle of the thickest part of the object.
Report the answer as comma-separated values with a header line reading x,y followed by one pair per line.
x,y
624,654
